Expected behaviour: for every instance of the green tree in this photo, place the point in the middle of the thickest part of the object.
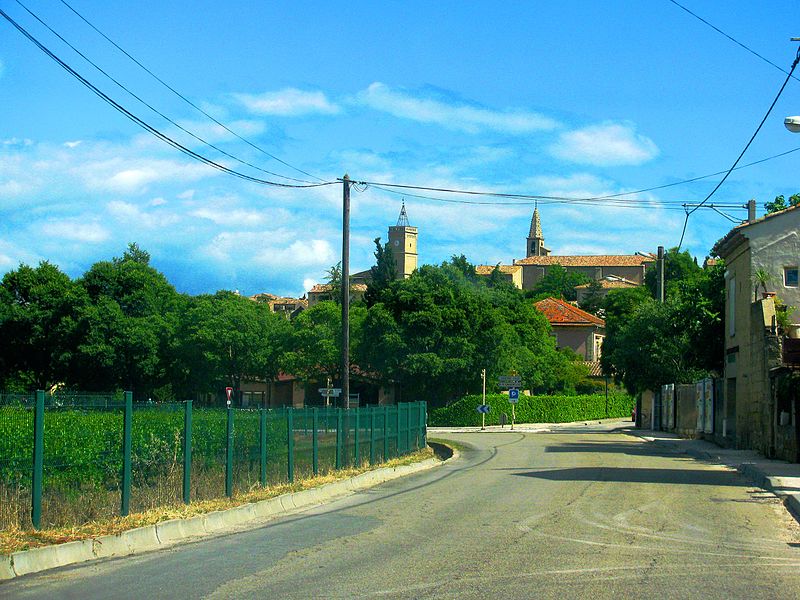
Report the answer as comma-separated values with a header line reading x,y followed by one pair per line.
x,y
38,326
558,283
227,339
593,300
128,326
779,203
382,274
678,267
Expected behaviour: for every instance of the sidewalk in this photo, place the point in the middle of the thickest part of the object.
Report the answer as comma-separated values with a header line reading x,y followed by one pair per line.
x,y
780,477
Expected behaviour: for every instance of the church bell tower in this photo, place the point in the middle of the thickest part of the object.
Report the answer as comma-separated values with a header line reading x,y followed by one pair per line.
x,y
403,242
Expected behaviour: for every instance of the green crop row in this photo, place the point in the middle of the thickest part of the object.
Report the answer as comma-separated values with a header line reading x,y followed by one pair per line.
x,y
85,446
533,409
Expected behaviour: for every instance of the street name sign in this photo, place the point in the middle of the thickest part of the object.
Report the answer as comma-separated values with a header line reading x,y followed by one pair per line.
x,y
330,392
510,381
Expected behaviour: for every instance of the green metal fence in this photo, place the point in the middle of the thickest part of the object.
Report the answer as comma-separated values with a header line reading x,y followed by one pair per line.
x,y
69,458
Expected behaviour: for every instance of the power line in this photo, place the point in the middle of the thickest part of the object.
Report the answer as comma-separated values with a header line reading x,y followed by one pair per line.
x,y
741,154
143,123
734,40
189,102
151,107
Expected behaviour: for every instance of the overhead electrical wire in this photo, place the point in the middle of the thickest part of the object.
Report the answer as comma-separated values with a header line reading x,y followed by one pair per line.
x,y
187,100
150,106
162,136
747,145
731,38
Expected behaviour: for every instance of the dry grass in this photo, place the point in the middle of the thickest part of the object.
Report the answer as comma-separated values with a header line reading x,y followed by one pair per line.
x,y
15,538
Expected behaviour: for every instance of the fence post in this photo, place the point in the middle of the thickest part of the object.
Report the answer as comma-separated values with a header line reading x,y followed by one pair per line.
x,y
372,435
263,445
38,460
423,423
408,428
399,422
290,444
187,452
126,454
385,433
229,455
314,441
357,452
338,438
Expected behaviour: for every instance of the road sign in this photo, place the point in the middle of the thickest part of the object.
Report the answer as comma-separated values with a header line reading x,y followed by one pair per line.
x,y
330,392
513,396
483,408
229,393
509,381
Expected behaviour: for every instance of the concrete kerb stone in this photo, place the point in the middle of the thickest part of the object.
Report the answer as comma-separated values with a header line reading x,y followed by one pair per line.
x,y
107,546
176,530
51,557
268,508
6,569
141,539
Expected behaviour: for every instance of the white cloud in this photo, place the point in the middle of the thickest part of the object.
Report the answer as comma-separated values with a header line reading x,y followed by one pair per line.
x,y
229,217
124,175
309,283
73,144
289,102
76,230
300,253
134,218
606,144
464,117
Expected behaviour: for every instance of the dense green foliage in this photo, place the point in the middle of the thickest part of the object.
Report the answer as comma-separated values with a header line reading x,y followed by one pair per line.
x,y
558,283
649,344
533,409
435,331
122,325
779,203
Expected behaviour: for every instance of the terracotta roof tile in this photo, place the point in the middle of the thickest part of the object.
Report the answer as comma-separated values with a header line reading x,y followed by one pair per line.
x,y
487,269
321,288
606,260
560,312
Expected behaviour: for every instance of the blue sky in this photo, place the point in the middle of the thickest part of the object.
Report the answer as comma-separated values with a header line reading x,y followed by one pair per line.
x,y
577,99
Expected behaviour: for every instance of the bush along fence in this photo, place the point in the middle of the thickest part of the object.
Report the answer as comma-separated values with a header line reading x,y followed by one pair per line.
x,y
69,459
533,409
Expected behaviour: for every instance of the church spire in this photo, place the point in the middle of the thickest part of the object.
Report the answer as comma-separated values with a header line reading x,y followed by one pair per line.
x,y
402,220
535,246
536,225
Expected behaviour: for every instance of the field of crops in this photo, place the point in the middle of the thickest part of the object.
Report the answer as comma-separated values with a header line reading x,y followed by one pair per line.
x,y
83,458
533,409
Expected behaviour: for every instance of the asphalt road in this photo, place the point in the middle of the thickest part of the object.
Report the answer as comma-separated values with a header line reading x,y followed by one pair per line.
x,y
576,513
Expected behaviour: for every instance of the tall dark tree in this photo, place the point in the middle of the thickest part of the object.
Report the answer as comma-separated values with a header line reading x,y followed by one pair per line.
x,y
382,274
678,267
38,327
558,283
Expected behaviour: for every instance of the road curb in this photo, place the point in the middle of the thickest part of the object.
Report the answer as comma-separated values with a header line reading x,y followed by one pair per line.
x,y
165,533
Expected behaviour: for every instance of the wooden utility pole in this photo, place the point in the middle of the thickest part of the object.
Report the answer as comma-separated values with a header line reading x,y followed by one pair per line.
x,y
660,274
346,290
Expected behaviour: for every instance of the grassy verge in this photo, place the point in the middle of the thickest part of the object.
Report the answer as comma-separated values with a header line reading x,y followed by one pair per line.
x,y
16,539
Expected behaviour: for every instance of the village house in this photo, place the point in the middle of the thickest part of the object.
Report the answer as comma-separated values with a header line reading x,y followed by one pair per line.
x,y
761,278
574,328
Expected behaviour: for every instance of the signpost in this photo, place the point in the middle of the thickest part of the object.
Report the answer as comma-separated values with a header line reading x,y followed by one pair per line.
x,y
485,408
329,393
229,393
509,381
513,397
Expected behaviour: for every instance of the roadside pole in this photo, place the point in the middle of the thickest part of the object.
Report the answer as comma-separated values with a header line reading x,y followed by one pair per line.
x,y
483,414
346,288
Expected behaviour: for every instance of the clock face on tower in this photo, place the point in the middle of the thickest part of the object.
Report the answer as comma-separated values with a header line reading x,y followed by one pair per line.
x,y
397,242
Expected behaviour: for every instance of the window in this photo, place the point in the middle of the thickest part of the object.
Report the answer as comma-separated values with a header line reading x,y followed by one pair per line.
x,y
790,276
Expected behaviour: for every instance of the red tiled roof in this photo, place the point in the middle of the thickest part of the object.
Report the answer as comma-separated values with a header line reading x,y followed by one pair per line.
x,y
487,269
321,288
560,312
606,260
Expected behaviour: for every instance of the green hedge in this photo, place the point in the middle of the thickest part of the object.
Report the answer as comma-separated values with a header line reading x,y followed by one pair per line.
x,y
533,409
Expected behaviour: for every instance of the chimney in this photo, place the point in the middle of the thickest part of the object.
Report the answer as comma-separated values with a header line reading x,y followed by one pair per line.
x,y
751,210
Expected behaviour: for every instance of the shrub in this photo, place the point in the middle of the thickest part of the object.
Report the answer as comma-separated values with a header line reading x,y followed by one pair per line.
x,y
533,409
